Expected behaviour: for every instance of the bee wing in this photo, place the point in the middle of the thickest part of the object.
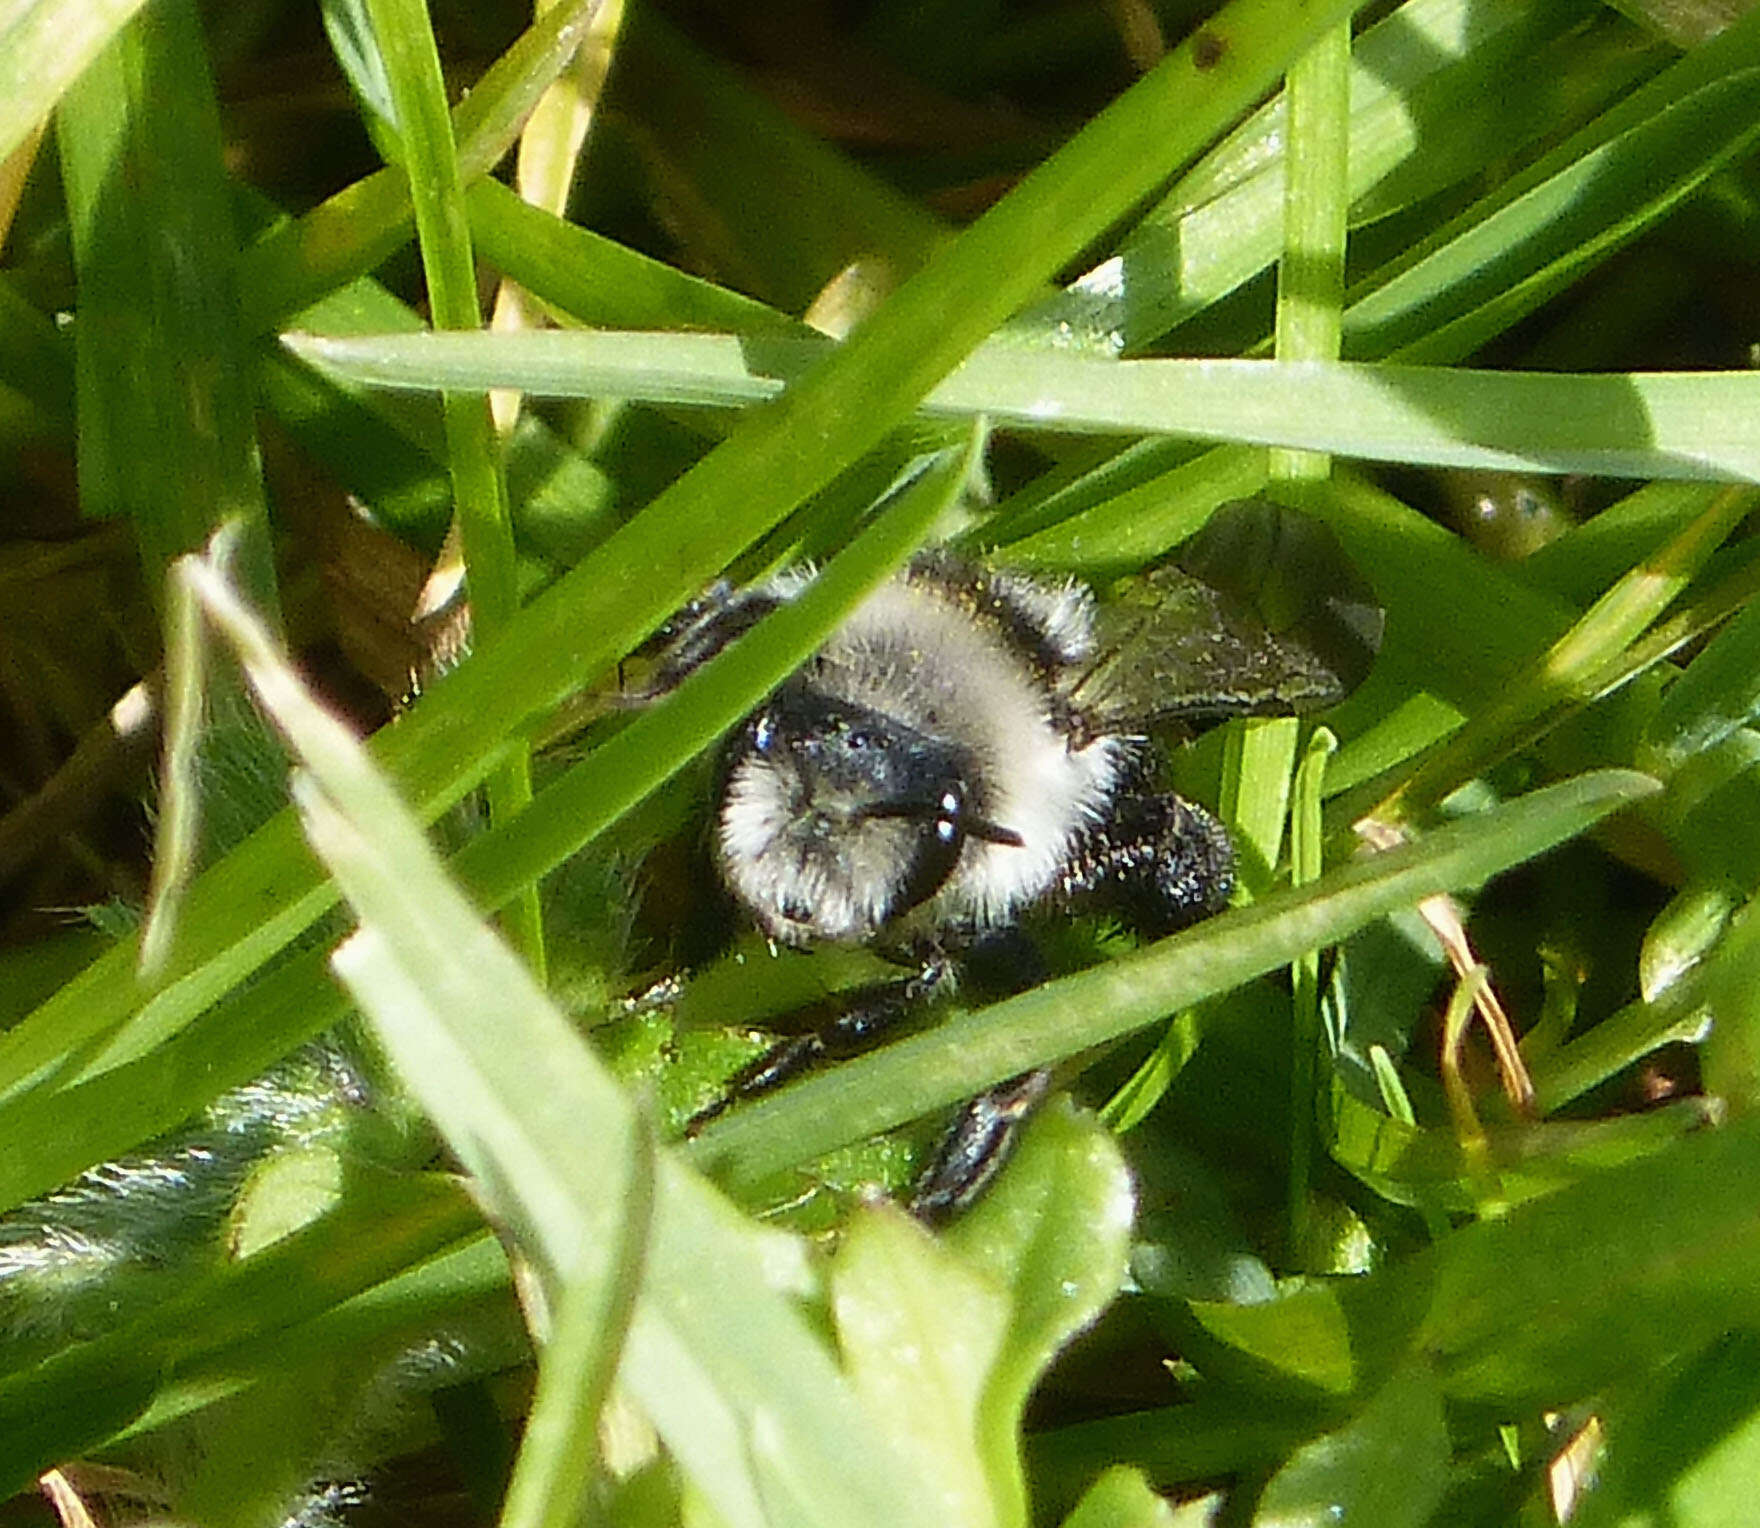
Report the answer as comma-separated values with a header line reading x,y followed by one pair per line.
x,y
1262,615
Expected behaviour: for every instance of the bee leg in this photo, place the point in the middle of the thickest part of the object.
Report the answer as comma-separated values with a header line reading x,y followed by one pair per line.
x,y
982,1136
977,1144
1163,862
867,1016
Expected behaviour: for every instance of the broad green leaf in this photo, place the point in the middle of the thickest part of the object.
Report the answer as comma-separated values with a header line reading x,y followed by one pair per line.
x,y
1219,1434
1682,1453
1386,1468
1627,1269
920,1334
1054,1233
1606,1279
1121,1498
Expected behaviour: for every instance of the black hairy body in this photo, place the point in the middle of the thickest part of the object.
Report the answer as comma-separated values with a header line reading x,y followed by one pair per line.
x,y
925,781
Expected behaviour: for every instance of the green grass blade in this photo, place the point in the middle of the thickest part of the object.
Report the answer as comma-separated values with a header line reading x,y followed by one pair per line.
x,y
1718,692
1630,424
44,47
1069,1015
1572,666
177,843
558,1467
1422,79
1310,270
345,236
166,435
740,1386
593,280
365,435
411,68
1505,257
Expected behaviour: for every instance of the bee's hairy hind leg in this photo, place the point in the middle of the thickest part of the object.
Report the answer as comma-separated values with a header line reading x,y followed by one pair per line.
x,y
976,1147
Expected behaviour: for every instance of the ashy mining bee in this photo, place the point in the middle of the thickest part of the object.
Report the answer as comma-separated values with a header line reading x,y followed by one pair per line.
x,y
973,745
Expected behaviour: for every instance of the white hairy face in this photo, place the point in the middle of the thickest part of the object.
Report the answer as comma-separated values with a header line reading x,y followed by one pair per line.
x,y
798,853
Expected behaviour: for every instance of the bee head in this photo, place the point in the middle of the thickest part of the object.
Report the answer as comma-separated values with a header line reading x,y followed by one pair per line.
x,y
837,819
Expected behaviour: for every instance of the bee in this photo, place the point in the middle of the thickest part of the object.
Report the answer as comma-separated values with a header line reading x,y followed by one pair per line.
x,y
972,746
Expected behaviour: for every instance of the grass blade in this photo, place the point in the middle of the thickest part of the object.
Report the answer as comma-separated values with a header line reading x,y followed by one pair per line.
x,y
1631,424
1066,1016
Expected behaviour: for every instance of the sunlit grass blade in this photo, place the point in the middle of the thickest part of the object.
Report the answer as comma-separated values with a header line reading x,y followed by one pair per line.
x,y
594,280
1088,1009
344,237
1425,82
179,833
1307,842
559,1468
1094,527
410,63
366,435
1571,668
1714,695
1533,236
1630,424
43,48
1310,267
466,1024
